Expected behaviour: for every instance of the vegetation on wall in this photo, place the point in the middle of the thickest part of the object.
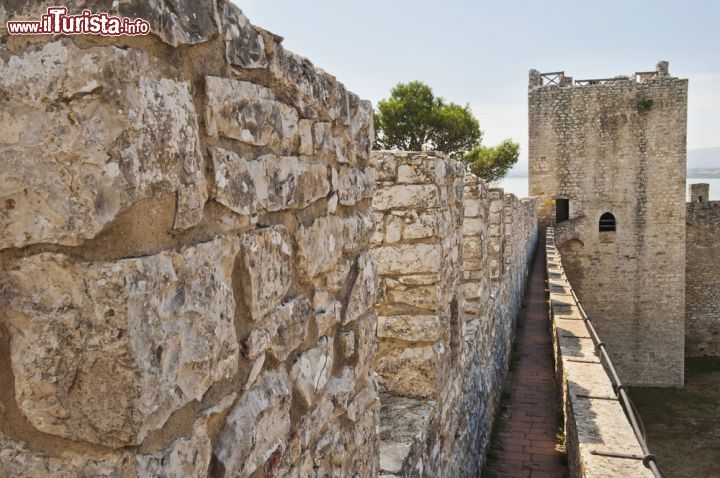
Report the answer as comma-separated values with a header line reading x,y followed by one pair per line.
x,y
414,119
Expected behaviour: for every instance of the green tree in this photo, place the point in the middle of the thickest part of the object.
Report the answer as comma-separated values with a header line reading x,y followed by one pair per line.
x,y
492,163
414,119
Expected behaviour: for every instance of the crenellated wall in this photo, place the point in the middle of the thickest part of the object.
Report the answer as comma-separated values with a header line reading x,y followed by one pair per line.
x,y
452,260
192,268
184,220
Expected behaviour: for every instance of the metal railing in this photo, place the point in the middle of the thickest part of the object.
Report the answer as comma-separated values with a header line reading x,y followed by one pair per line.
x,y
648,459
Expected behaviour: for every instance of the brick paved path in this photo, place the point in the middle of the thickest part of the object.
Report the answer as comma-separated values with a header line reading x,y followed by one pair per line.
x,y
526,444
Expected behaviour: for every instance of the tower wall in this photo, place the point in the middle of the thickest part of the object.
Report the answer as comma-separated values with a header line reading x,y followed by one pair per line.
x,y
619,146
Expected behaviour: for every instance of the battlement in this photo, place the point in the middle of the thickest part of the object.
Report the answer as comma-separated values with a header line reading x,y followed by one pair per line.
x,y
560,79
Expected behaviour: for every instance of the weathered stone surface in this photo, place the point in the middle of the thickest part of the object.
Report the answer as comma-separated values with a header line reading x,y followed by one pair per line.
x,y
413,328
355,184
251,114
364,290
17,461
123,139
106,352
270,182
408,258
411,372
244,45
267,267
417,196
290,326
257,425
312,369
186,457
320,245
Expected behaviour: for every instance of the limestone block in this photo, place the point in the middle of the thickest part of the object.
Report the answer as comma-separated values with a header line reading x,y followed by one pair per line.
x,y
244,45
357,230
355,184
312,370
385,164
408,258
305,130
364,291
290,322
186,457
418,225
319,245
88,137
410,372
18,461
418,196
272,183
267,268
421,297
251,114
257,426
412,328
105,352
362,400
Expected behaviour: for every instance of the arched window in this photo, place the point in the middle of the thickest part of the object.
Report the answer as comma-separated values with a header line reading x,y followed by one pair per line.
x,y
607,222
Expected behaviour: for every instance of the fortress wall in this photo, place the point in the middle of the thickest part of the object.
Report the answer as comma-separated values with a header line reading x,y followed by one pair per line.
x,y
446,318
594,420
184,221
619,146
702,287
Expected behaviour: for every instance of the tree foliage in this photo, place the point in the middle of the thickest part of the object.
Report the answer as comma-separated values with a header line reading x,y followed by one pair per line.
x,y
492,163
414,119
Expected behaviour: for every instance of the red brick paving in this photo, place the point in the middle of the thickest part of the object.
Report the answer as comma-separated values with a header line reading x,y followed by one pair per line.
x,y
526,446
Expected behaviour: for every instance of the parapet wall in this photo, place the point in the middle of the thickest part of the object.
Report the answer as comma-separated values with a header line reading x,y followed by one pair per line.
x,y
595,423
452,260
702,287
184,221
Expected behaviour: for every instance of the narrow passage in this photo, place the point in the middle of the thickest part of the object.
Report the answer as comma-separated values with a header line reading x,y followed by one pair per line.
x,y
526,444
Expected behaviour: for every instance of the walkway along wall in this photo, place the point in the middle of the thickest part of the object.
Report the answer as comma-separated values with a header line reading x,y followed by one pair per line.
x,y
451,278
184,220
594,419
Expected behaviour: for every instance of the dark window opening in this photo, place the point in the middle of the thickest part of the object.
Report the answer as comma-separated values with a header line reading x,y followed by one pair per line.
x,y
562,209
699,198
607,222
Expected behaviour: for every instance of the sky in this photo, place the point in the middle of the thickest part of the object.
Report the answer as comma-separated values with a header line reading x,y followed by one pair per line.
x,y
479,52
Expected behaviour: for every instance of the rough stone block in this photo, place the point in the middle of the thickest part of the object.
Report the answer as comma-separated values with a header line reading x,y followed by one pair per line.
x,y
105,352
123,139
267,268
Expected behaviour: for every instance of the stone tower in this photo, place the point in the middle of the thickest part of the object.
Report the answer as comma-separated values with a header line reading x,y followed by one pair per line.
x,y
607,162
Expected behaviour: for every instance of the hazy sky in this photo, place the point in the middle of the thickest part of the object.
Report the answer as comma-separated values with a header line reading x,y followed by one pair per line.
x,y
480,52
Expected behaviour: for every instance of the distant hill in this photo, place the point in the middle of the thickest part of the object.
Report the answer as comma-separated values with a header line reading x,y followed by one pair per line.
x,y
703,158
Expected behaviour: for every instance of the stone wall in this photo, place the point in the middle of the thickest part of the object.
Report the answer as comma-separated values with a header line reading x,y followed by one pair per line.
x,y
702,287
594,419
184,221
619,146
452,266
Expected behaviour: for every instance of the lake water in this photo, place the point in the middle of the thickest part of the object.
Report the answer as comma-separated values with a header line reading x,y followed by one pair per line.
x,y
519,186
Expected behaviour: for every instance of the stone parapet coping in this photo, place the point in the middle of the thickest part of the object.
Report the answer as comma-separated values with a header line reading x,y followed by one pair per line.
x,y
594,419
